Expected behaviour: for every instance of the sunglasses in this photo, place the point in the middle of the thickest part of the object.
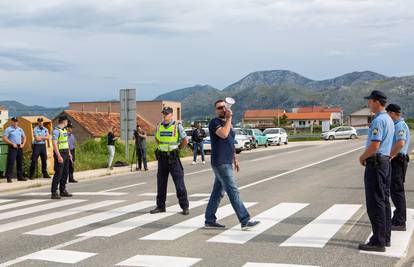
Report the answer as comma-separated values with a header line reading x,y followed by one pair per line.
x,y
220,108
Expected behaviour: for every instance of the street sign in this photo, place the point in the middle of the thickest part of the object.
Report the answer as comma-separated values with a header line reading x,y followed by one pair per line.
x,y
128,114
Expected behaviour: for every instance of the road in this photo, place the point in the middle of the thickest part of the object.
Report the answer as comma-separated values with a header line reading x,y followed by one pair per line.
x,y
309,197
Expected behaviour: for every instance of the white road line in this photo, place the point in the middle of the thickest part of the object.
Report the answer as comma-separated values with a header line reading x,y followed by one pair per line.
x,y
113,194
21,203
197,172
299,169
30,210
155,261
91,219
400,241
257,264
60,256
123,187
55,215
294,151
268,219
135,222
181,229
318,232
201,195
155,194
6,200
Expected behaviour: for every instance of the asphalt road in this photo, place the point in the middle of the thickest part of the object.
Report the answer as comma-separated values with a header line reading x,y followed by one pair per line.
x,y
309,197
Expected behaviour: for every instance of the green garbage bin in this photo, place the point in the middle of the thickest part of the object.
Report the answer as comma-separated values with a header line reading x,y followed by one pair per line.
x,y
3,157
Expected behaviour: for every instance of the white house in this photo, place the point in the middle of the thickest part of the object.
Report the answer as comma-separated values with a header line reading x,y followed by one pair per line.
x,y
4,116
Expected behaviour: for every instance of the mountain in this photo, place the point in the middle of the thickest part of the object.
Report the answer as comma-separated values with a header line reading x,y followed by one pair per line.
x,y
287,89
18,109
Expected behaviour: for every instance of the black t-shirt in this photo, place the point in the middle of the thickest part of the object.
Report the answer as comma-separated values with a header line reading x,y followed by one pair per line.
x,y
222,150
139,141
111,139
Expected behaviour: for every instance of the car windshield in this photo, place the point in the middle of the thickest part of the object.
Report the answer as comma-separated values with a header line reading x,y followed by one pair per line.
x,y
239,132
271,131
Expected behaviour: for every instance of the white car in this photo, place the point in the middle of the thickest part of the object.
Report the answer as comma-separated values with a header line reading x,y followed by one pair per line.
x,y
206,141
341,132
276,136
242,141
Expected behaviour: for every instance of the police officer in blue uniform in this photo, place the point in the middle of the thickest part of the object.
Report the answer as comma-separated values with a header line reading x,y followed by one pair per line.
x,y
16,139
41,135
399,163
377,178
170,137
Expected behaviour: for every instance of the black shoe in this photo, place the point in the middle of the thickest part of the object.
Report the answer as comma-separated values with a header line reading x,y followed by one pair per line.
x,y
73,181
46,176
388,244
137,169
185,212
399,228
55,196
31,177
146,169
9,180
157,210
371,247
250,224
22,179
214,225
65,194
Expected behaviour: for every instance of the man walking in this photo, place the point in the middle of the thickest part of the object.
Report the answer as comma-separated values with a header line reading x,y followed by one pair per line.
x,y
71,163
16,139
223,156
197,137
399,163
170,137
377,178
41,135
140,137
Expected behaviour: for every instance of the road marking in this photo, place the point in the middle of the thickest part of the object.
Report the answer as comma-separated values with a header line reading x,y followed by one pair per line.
x,y
123,187
155,194
61,256
399,240
191,173
94,218
181,229
21,203
294,151
112,194
6,200
267,219
55,215
155,261
30,210
257,264
299,169
318,232
135,222
201,195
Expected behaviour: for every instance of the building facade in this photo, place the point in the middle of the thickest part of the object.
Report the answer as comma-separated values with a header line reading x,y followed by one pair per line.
x,y
4,116
361,118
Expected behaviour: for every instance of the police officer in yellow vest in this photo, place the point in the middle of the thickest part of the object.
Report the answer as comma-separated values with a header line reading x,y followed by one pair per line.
x,y
170,137
61,155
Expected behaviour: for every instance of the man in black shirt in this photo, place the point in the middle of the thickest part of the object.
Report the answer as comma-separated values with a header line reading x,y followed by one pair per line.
x,y
140,137
197,137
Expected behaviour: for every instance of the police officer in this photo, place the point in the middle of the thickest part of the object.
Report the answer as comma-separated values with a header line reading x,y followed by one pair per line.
x,y
399,163
41,135
16,139
61,155
377,178
170,137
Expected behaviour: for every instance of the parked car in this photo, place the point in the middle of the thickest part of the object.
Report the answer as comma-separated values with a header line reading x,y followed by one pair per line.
x,y
242,141
276,136
341,132
259,139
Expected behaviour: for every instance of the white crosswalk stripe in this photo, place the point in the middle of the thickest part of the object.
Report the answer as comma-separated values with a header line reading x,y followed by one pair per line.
x,y
186,227
138,221
155,261
21,204
108,194
31,210
6,200
55,215
60,256
317,233
257,264
94,218
267,219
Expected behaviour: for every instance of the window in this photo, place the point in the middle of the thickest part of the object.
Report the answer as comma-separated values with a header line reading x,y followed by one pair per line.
x,y
320,123
302,123
271,131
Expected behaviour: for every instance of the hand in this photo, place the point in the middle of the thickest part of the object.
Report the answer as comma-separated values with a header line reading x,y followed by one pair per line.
x,y
237,165
15,146
362,161
60,159
229,114
71,157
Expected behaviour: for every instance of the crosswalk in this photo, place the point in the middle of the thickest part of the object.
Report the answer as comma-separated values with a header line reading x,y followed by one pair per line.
x,y
22,215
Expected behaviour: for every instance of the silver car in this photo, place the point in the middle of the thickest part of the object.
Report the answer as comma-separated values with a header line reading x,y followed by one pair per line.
x,y
341,132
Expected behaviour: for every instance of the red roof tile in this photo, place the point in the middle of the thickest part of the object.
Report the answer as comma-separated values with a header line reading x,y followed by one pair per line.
x,y
309,116
318,109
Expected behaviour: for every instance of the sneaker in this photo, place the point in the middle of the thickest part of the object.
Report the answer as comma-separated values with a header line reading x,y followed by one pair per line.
x,y
9,180
370,247
185,212
65,194
22,179
388,244
204,162
157,210
194,163
73,181
214,225
46,176
399,228
137,169
146,169
55,196
250,224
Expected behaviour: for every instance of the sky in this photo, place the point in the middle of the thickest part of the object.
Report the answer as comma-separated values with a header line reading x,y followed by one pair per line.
x,y
56,51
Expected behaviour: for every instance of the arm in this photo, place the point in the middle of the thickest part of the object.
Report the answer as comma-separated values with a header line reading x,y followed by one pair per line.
x,y
23,141
6,139
184,143
56,150
369,152
397,148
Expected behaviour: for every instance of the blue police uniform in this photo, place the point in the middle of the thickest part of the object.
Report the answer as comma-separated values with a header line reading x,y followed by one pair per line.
x,y
15,135
169,163
399,168
377,179
39,149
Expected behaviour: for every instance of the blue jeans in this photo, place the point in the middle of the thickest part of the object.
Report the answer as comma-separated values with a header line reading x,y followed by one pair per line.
x,y
224,182
198,146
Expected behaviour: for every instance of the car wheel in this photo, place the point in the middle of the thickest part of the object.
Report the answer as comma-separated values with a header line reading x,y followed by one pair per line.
x,y
331,137
287,141
238,151
353,136
279,141
266,144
